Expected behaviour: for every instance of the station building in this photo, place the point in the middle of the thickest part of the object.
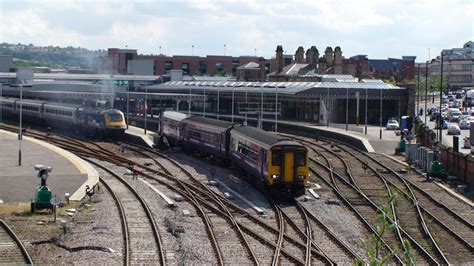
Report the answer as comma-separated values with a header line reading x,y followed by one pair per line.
x,y
329,100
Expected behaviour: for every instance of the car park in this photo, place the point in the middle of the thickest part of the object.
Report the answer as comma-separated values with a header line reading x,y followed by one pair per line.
x,y
454,130
392,125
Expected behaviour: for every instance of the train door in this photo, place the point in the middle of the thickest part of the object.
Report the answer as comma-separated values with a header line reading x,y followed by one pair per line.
x,y
288,166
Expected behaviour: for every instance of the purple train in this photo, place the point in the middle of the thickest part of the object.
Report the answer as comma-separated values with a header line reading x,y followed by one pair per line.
x,y
269,159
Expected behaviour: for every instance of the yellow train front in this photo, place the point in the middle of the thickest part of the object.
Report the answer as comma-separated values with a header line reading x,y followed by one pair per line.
x,y
274,161
287,170
114,123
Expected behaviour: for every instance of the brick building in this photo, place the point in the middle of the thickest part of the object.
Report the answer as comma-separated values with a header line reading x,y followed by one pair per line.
x,y
399,69
313,66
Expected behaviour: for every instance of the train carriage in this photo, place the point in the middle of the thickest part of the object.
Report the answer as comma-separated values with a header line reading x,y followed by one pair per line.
x,y
59,115
97,120
277,162
209,136
170,124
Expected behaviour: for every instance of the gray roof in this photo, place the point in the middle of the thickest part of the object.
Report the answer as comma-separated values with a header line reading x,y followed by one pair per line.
x,y
249,65
281,87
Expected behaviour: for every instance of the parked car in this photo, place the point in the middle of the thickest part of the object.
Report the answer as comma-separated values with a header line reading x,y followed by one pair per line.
x,y
467,143
464,124
454,130
453,115
456,104
393,125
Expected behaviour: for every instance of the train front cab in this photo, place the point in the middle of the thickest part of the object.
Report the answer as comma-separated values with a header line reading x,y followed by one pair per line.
x,y
114,123
288,169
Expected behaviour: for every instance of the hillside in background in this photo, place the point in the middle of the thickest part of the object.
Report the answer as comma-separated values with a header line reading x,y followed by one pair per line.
x,y
49,56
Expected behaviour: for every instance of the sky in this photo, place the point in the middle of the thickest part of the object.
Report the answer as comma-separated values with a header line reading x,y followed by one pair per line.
x,y
377,28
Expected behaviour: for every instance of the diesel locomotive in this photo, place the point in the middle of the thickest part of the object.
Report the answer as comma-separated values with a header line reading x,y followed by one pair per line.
x,y
98,121
277,163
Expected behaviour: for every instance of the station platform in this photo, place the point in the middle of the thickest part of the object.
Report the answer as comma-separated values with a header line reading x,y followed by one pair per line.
x,y
136,132
371,141
70,174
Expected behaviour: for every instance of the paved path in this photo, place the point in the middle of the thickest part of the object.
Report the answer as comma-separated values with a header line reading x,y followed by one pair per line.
x,y
18,183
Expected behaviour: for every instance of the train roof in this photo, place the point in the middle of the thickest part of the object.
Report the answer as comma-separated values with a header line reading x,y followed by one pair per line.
x,y
177,116
89,109
211,122
260,135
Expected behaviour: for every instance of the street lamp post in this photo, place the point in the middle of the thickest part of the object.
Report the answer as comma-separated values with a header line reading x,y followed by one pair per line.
x,y
426,89
381,116
246,107
441,101
218,107
418,90
261,109
276,108
327,109
347,108
366,92
204,103
224,48
128,103
20,133
146,106
232,116
189,101
192,50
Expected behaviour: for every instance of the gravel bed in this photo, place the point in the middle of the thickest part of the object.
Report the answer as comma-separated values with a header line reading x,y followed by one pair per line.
x,y
95,224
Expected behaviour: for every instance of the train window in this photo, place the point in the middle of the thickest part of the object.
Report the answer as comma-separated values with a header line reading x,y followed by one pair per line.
x,y
115,117
276,157
300,158
248,151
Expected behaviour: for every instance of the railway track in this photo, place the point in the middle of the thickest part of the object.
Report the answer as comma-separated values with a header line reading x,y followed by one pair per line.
x,y
197,192
259,230
139,247
12,250
440,231
449,233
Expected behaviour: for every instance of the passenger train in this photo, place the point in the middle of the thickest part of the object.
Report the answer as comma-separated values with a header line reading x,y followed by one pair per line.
x,y
279,164
97,121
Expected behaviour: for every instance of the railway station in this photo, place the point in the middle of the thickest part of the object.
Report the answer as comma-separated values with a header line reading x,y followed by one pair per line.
x,y
176,132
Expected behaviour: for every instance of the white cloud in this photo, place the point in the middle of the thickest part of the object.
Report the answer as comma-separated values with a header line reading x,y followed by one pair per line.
x,y
377,28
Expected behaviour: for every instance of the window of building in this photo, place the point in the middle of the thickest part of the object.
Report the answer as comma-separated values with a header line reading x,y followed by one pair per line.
x,y
235,65
466,67
220,71
168,66
202,67
185,68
